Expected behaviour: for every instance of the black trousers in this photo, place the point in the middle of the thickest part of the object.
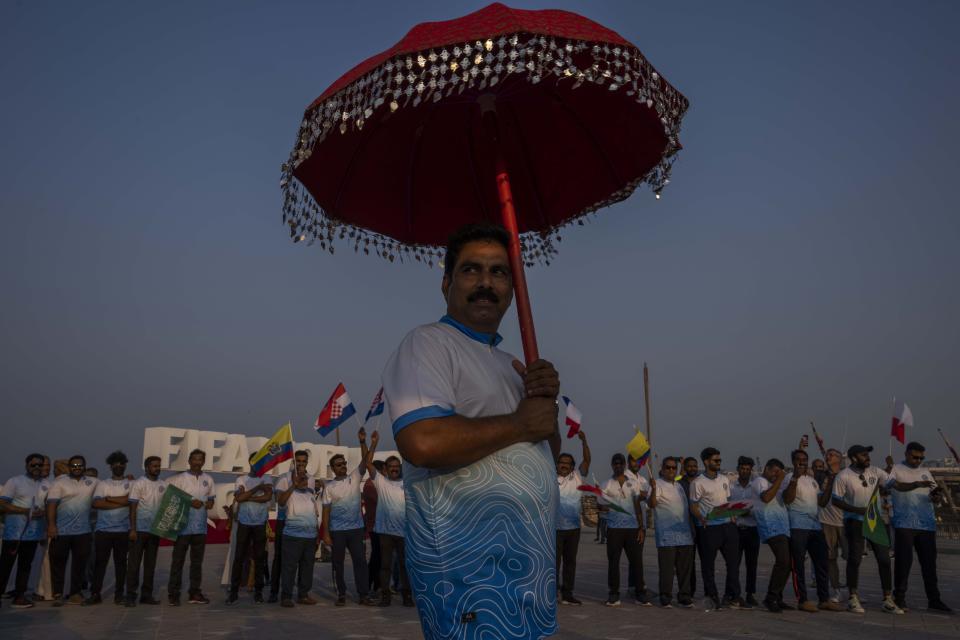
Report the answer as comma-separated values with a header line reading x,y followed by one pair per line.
x,y
196,543
724,538
675,561
568,543
19,552
905,541
106,543
780,573
351,539
143,549
77,549
855,544
749,553
693,562
812,541
373,566
298,561
390,545
277,559
251,546
618,541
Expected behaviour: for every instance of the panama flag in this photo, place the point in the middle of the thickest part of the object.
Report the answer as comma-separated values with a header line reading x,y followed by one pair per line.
x,y
337,411
902,418
574,417
376,407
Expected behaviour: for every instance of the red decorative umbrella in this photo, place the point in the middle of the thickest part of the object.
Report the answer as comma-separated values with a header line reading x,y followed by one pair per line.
x,y
529,118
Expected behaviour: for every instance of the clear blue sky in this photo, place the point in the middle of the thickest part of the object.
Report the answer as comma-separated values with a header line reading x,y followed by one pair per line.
x,y
802,264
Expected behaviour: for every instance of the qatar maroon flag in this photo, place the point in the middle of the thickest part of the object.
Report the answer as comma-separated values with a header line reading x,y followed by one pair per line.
x,y
902,418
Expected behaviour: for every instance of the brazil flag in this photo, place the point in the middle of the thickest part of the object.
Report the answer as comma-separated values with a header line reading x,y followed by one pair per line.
x,y
874,529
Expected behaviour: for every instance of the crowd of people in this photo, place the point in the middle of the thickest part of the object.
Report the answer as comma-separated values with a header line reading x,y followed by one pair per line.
x,y
813,512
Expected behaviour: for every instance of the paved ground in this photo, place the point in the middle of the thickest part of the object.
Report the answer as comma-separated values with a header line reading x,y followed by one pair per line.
x,y
592,621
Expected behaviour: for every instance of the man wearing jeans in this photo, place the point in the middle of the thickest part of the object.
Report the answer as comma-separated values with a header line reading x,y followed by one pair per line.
x,y
708,491
145,496
343,523
253,496
803,498
852,491
68,528
194,534
568,519
914,526
299,541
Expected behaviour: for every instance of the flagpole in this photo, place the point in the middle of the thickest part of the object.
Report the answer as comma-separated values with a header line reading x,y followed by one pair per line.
x,y
646,401
893,410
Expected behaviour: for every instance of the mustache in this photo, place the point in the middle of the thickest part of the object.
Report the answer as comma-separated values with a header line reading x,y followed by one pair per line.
x,y
483,294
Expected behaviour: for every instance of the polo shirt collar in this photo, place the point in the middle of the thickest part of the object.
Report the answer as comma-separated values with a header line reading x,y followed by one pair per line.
x,y
489,339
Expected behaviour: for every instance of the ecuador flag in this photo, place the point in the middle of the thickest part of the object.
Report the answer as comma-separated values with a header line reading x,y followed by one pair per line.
x,y
639,449
274,451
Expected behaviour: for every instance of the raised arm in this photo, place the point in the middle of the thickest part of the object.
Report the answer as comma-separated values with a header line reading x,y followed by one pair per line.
x,y
584,455
771,493
368,459
362,436
790,493
826,491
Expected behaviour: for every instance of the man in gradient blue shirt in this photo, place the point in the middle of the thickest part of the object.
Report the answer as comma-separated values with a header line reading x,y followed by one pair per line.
x,y
773,525
145,496
252,495
674,534
568,518
193,537
22,503
111,535
68,528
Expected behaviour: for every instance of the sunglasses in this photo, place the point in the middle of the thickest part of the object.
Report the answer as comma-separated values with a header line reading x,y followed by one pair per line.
x,y
863,480
35,465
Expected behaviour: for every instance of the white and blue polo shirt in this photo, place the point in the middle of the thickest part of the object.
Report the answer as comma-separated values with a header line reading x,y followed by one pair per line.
x,y
342,495
73,499
672,516
804,511
772,517
201,488
113,520
146,494
569,507
391,517
251,513
911,509
857,487
27,493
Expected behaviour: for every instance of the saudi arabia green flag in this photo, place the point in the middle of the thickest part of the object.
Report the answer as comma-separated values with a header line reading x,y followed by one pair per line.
x,y
874,529
172,513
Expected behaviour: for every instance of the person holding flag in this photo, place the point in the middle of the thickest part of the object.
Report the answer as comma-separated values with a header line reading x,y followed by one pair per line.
x,y
673,534
914,493
22,503
193,536
252,495
742,490
709,490
855,490
145,496
283,489
622,495
343,522
568,517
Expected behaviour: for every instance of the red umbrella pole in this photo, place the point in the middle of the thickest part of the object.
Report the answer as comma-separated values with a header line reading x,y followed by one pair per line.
x,y
509,217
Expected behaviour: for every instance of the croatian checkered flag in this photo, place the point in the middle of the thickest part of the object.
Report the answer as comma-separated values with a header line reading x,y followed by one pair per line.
x,y
338,410
376,407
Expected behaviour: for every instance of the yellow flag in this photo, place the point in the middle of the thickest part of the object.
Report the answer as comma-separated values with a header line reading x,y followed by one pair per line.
x,y
639,448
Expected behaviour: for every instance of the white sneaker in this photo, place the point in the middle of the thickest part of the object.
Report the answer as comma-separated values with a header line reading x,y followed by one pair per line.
x,y
889,606
836,596
853,604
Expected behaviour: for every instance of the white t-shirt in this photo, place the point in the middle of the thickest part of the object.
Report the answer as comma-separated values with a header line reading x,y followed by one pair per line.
x,y
250,513
113,520
391,517
772,518
282,484
710,493
568,511
146,493
201,488
739,493
25,492
342,495
857,491
804,510
911,509
73,498
645,490
302,518
624,496
672,516
831,514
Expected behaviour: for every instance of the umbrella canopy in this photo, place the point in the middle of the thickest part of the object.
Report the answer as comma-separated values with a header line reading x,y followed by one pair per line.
x,y
399,151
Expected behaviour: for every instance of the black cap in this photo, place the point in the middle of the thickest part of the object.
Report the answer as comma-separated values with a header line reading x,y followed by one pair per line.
x,y
858,448
744,460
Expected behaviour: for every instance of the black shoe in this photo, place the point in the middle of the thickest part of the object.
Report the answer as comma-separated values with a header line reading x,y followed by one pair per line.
x,y
148,600
731,603
131,602
365,601
384,600
686,603
785,607
174,600
665,603
717,604
751,601
272,599
232,598
938,605
643,599
772,606
902,603
341,601
408,600
198,598
258,597
569,598
286,602
92,600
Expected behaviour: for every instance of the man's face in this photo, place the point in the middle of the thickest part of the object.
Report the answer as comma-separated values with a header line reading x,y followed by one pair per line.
x,y
834,461
77,468
914,458
618,465
118,469
45,469
564,466
818,466
800,462
300,464
632,464
862,460
480,288
712,464
668,470
393,469
770,472
35,468
744,472
196,462
153,469
339,467
691,468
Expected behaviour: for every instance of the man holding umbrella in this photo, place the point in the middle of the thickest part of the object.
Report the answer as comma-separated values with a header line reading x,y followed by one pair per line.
x,y
479,433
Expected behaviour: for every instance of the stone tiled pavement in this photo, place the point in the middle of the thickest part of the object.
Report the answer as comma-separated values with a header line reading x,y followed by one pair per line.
x,y
245,620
